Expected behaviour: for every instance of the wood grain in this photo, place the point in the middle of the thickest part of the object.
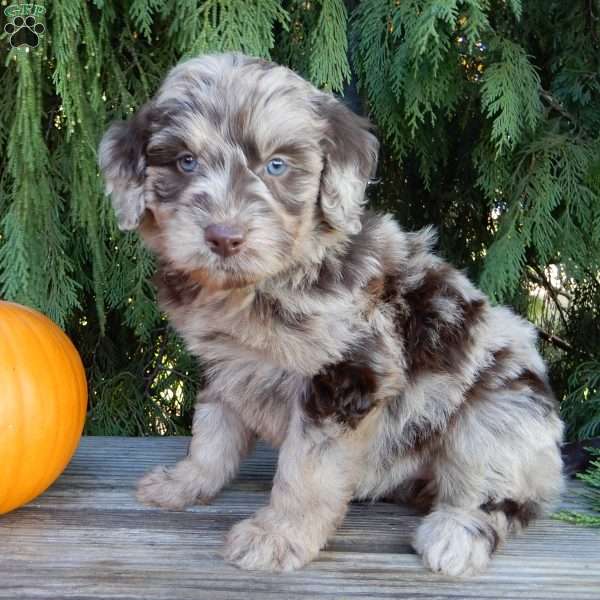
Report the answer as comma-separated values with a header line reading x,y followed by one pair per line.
x,y
88,538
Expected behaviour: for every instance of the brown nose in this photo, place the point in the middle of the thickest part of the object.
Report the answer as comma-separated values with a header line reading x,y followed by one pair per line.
x,y
224,240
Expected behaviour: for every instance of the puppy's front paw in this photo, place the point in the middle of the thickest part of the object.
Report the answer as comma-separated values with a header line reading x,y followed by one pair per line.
x,y
455,545
172,488
253,545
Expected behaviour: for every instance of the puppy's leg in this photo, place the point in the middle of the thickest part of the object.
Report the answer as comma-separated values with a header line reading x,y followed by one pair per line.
x,y
310,495
220,440
499,468
319,463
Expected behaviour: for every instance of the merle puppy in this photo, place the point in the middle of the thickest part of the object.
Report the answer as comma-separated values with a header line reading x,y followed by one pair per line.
x,y
372,364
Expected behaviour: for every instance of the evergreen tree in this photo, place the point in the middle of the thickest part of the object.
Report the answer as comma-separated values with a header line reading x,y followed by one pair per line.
x,y
489,112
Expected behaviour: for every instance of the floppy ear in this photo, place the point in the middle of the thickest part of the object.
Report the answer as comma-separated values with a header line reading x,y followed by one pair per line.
x,y
350,158
122,160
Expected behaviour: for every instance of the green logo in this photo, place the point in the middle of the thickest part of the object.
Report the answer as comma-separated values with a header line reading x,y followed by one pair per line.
x,y
24,27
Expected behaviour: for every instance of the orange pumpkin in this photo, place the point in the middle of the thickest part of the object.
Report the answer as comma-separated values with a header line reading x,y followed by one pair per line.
x,y
43,401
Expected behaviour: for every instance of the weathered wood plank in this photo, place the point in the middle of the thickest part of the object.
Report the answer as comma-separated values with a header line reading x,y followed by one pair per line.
x,y
88,538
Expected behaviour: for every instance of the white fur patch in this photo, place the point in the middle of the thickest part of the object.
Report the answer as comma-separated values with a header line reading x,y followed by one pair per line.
x,y
455,542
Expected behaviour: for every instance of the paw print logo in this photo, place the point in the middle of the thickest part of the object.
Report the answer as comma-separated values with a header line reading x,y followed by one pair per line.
x,y
24,32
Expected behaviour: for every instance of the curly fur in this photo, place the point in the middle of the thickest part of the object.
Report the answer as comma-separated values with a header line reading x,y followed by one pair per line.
x,y
376,367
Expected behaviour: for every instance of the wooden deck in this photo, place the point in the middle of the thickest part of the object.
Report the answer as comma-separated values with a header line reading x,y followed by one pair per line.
x,y
88,538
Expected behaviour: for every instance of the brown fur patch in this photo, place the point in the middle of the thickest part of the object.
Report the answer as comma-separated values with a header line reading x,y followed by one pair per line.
x,y
150,230
130,139
420,437
425,437
268,310
343,391
170,184
498,376
375,288
391,285
348,139
328,277
519,512
433,341
533,381
176,288
348,266
492,376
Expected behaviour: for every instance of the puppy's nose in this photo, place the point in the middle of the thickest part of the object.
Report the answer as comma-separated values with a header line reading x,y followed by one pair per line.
x,y
224,240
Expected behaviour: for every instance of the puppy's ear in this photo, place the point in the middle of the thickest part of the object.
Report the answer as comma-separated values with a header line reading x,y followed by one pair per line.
x,y
122,160
350,158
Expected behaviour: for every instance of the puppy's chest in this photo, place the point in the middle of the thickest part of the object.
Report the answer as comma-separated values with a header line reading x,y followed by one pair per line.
x,y
300,335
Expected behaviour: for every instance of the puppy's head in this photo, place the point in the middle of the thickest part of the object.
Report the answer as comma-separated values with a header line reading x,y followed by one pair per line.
x,y
236,167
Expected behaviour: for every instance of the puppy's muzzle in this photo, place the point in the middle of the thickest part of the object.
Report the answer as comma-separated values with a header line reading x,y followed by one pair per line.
x,y
224,240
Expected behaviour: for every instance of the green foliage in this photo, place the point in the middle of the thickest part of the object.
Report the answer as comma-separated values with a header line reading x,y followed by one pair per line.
x,y
489,112
510,95
553,205
42,274
151,391
221,26
328,66
581,406
592,493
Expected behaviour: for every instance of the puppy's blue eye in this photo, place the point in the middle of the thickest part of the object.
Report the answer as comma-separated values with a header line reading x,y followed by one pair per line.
x,y
187,163
276,166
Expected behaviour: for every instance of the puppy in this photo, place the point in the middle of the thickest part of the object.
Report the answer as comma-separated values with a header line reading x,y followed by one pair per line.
x,y
374,366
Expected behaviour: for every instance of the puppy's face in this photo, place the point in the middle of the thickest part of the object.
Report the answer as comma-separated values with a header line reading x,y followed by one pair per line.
x,y
235,166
